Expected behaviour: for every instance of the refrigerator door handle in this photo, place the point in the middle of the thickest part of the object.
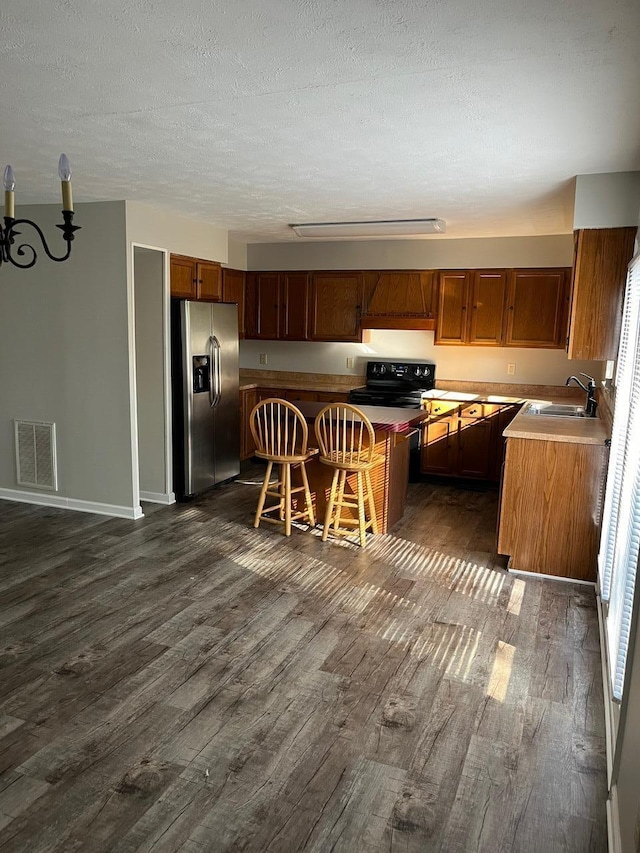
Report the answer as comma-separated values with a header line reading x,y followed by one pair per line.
x,y
212,361
217,369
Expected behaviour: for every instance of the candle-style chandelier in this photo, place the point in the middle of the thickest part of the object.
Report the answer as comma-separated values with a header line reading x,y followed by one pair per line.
x,y
23,255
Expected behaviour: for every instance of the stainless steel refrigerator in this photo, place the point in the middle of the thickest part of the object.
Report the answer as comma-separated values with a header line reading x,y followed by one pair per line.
x,y
206,402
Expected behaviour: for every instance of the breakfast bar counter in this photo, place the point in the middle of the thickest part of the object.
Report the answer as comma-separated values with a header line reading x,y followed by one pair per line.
x,y
393,429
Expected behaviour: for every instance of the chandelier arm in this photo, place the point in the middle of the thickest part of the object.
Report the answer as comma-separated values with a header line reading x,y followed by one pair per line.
x,y
23,247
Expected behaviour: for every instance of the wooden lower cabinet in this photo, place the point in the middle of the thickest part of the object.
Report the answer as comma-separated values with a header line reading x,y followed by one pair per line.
x,y
550,507
465,440
248,400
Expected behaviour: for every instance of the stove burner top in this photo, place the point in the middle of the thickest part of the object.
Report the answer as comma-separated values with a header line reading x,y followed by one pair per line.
x,y
395,383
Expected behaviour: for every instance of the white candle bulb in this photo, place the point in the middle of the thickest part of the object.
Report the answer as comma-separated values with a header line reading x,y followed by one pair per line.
x,y
9,181
64,171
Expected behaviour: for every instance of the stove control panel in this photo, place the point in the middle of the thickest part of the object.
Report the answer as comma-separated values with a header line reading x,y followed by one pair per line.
x,y
402,373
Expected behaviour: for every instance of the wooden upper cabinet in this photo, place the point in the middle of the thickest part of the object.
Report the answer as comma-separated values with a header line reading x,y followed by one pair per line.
x,y
599,275
294,295
453,298
536,308
184,283
336,303
209,277
233,289
267,305
192,278
485,318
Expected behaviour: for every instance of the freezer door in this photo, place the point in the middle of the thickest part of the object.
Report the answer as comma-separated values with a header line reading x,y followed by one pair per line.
x,y
198,391
226,391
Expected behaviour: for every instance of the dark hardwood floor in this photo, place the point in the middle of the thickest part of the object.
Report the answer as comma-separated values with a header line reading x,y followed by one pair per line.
x,y
185,682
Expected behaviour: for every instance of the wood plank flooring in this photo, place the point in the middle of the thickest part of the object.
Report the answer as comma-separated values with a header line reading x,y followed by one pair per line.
x,y
185,682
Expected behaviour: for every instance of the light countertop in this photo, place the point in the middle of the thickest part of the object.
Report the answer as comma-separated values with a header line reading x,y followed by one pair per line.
x,y
572,430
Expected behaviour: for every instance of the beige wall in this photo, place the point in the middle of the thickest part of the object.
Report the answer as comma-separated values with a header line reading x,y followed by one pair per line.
x,y
161,229
427,253
64,354
488,364
148,276
237,258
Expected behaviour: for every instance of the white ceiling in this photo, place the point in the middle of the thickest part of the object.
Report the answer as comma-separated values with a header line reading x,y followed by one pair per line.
x,y
256,113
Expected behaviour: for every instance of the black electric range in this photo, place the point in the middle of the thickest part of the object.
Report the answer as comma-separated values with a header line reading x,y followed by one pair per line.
x,y
395,383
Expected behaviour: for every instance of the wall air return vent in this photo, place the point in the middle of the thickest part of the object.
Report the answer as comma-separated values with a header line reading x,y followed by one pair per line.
x,y
36,454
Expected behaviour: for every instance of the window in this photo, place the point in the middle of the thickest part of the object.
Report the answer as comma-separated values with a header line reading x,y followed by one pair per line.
x,y
619,545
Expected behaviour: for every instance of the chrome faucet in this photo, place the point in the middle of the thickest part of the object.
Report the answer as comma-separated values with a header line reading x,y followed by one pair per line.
x,y
590,391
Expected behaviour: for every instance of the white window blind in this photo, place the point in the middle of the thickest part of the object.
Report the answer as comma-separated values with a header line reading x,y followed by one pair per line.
x,y
620,541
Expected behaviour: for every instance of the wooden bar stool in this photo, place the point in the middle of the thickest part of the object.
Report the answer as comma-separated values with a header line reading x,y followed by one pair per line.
x,y
281,434
347,444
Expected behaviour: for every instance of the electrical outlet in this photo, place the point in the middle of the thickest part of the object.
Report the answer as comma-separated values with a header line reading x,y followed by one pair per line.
x,y
511,369
349,363
263,358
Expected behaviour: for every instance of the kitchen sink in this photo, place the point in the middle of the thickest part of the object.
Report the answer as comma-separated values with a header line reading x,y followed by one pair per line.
x,y
554,410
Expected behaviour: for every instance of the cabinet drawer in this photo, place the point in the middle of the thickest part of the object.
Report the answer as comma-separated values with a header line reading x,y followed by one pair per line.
x,y
439,408
479,410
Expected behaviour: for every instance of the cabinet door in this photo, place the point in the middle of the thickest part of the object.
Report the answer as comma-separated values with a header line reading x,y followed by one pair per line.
x,y
536,308
599,275
233,286
504,417
336,302
438,438
295,306
209,277
267,295
183,277
248,399
487,307
453,296
475,445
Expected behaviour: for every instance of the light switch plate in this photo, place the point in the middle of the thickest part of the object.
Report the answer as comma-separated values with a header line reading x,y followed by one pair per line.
x,y
511,369
263,358
349,363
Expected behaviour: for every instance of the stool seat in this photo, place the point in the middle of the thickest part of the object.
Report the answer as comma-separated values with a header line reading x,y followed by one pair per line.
x,y
280,433
347,444
351,461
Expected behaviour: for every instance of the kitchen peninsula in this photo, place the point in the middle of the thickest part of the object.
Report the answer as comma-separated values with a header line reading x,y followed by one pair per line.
x,y
393,429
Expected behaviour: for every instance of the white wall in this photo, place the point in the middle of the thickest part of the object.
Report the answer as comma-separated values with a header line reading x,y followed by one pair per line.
x,y
148,268
427,253
160,228
64,354
546,367
608,200
481,364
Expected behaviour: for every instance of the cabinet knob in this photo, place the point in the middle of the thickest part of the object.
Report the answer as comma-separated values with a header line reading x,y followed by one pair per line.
x,y
473,411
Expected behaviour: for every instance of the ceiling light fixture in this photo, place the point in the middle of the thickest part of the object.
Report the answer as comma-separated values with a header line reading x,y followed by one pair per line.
x,y
380,228
8,233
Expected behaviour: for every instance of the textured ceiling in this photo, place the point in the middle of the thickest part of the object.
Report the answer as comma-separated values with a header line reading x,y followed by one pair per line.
x,y
258,113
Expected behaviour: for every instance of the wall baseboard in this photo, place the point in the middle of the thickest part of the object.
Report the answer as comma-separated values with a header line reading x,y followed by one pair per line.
x,y
531,575
158,497
132,512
